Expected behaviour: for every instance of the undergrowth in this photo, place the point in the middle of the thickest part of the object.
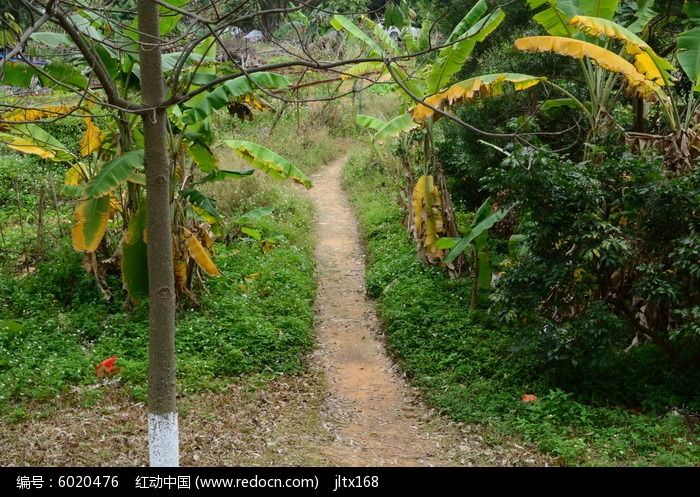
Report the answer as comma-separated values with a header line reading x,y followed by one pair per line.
x,y
469,365
254,322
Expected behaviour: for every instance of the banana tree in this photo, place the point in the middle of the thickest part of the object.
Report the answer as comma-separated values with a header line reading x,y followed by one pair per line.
x,y
475,241
430,209
586,31
156,90
106,176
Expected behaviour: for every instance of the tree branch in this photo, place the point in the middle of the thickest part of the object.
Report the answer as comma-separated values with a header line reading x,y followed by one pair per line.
x,y
97,65
25,36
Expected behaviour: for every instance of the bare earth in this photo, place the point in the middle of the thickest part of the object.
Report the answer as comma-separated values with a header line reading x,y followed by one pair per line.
x,y
371,412
351,407
375,417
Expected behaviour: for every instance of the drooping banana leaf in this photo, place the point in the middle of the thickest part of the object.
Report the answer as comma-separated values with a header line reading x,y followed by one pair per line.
x,y
203,157
268,161
340,22
91,219
396,127
200,254
114,173
32,139
606,59
689,55
483,86
203,105
653,66
365,121
204,205
221,174
91,140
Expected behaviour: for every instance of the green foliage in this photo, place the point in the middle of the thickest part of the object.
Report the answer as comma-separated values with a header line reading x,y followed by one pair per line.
x,y
68,131
55,325
473,365
572,430
612,249
257,318
464,156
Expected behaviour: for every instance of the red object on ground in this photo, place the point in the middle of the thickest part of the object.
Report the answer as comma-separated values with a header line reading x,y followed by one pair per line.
x,y
528,397
107,367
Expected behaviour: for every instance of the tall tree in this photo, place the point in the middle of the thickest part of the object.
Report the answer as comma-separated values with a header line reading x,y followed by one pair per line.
x,y
162,417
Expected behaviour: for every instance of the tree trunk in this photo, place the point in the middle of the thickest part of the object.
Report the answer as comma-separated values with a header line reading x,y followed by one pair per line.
x,y
162,414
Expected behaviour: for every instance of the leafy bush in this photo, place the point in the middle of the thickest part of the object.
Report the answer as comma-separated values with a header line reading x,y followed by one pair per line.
x,y
256,319
611,258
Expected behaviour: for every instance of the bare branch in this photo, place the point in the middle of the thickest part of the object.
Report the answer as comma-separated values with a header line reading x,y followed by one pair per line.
x,y
96,64
24,37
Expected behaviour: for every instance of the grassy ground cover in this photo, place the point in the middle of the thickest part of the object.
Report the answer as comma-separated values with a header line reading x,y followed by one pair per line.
x,y
254,321
469,365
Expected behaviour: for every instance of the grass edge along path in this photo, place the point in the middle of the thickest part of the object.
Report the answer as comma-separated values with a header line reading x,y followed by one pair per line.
x,y
463,361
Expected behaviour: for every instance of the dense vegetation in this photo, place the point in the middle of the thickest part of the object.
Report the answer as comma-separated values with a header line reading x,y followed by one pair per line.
x,y
532,228
592,307
56,325
629,410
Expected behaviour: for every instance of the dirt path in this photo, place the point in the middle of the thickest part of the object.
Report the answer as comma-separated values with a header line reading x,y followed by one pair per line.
x,y
370,410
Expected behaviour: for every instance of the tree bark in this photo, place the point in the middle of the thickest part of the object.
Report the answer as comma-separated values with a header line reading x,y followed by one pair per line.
x,y
162,413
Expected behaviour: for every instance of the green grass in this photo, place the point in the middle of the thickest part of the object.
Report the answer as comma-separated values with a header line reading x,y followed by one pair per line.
x,y
256,318
254,322
468,364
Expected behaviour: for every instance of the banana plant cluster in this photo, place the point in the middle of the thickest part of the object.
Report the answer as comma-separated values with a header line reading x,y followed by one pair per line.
x,y
609,52
430,209
429,93
106,177
615,61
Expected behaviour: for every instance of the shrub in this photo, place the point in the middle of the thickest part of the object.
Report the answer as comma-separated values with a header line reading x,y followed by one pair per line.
x,y
611,257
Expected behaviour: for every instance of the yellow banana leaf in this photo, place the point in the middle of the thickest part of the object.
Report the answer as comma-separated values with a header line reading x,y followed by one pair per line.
x,y
32,139
92,140
647,62
488,85
26,146
35,114
75,175
91,219
427,212
200,254
205,238
179,264
180,267
606,59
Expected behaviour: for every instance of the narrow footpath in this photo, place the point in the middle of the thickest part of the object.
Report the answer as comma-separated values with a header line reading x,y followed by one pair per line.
x,y
372,413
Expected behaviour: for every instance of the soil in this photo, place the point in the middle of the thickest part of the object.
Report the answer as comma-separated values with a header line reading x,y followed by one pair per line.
x,y
350,407
370,410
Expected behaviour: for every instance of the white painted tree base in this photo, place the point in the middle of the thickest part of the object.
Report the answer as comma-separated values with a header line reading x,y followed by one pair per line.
x,y
163,440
